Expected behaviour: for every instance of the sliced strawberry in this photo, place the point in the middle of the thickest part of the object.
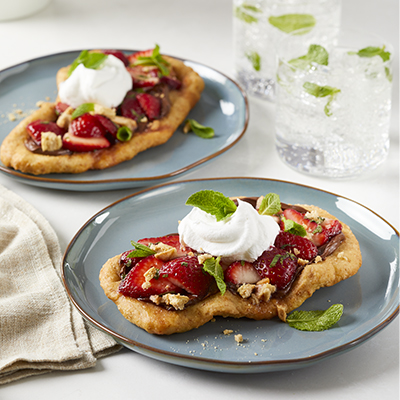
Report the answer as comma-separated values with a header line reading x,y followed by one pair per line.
x,y
61,107
240,272
143,77
130,107
144,53
172,82
127,263
87,126
36,128
188,274
278,265
107,124
132,285
300,246
330,228
298,217
118,54
170,240
82,144
150,104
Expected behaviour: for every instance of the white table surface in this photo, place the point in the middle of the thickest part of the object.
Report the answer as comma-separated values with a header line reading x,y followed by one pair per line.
x,y
200,30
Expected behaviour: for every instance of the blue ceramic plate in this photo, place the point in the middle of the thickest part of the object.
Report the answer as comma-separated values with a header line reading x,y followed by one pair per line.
x,y
223,106
370,298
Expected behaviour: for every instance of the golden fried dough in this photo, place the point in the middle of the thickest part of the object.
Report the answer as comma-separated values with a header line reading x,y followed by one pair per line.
x,y
343,263
14,154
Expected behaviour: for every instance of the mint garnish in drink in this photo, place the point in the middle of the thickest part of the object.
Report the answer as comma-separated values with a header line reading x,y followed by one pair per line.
x,y
372,51
202,131
322,91
270,204
318,320
154,60
214,203
89,60
213,267
315,53
82,109
255,60
292,22
242,12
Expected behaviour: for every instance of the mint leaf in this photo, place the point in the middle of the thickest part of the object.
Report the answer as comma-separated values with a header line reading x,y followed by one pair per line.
x,y
241,12
214,203
270,204
318,320
372,52
292,22
154,60
124,134
322,91
82,109
140,250
255,60
89,60
213,267
293,227
315,53
204,132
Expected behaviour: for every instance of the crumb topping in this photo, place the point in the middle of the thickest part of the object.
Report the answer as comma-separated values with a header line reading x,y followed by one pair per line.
x,y
51,141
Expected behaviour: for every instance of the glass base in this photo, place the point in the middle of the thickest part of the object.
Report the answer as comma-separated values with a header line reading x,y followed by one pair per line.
x,y
263,88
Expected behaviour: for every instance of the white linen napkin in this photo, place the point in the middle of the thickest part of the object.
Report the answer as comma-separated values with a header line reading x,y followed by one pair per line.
x,y
40,330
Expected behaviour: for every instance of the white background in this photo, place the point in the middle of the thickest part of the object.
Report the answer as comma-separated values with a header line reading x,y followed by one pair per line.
x,y
201,30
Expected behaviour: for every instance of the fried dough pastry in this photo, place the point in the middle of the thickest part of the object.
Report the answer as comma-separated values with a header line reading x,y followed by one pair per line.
x,y
343,263
14,154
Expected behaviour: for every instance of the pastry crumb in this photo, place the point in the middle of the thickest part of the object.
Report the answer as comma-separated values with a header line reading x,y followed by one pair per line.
x,y
239,338
228,331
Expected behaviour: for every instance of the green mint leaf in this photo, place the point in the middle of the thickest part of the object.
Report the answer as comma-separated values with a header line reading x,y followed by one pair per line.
x,y
372,52
318,320
202,131
315,53
124,134
255,60
140,250
322,91
242,13
292,22
213,267
214,203
82,109
388,74
156,60
89,60
270,204
293,227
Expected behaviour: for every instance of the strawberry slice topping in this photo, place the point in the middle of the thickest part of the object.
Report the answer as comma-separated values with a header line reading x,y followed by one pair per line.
x,y
150,104
87,126
136,285
143,77
278,265
170,240
130,107
300,246
119,54
240,272
188,274
144,53
36,128
83,144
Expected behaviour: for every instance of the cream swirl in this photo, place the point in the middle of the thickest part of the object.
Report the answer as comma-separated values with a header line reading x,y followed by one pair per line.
x,y
106,86
242,236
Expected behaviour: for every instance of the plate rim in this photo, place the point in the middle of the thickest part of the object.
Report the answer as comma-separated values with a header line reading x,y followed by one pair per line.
x,y
66,182
201,360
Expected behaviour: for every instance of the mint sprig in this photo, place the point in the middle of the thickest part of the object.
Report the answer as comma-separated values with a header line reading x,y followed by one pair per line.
x,y
141,250
270,204
255,60
89,60
292,22
154,60
82,109
372,51
293,227
242,13
214,203
200,130
213,267
315,54
322,91
318,320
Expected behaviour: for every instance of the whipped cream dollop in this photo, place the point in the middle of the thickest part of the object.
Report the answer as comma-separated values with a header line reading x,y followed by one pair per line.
x,y
106,86
242,236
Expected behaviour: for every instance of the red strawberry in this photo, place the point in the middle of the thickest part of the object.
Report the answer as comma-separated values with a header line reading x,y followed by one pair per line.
x,y
61,107
306,249
330,228
278,265
107,124
298,217
118,54
188,274
170,240
127,263
172,82
144,53
130,107
143,77
87,126
36,128
241,272
83,144
150,104
132,285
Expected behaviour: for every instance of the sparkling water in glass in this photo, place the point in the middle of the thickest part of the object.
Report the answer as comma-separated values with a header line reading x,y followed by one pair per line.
x,y
333,104
259,24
